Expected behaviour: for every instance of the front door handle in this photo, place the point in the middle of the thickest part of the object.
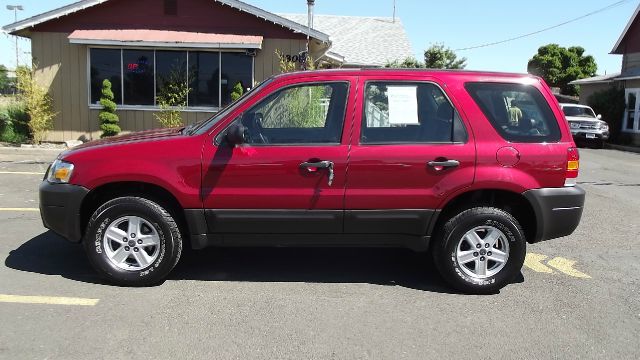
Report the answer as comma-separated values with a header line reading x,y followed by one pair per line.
x,y
442,164
313,166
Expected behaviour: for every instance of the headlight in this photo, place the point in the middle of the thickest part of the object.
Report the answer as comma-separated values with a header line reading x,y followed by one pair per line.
x,y
60,172
604,126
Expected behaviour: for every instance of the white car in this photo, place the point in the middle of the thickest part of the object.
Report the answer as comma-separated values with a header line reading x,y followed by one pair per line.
x,y
585,125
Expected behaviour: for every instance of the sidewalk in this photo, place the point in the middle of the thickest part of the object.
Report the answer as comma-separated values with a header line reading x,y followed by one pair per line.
x,y
13,154
633,149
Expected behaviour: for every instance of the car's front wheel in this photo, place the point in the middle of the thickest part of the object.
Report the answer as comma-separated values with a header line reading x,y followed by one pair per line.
x,y
480,250
133,241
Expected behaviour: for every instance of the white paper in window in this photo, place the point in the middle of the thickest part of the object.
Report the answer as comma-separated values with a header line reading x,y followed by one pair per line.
x,y
403,105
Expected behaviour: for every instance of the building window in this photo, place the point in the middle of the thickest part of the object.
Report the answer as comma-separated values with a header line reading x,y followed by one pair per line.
x,y
171,72
204,79
631,121
137,76
138,69
105,65
234,71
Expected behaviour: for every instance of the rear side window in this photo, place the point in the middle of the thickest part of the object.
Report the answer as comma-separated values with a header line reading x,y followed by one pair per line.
x,y
519,113
409,113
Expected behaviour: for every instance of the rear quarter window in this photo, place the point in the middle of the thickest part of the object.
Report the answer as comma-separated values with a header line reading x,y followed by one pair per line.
x,y
519,113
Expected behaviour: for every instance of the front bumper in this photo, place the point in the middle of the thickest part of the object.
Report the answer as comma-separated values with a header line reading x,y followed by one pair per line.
x,y
590,135
60,209
558,211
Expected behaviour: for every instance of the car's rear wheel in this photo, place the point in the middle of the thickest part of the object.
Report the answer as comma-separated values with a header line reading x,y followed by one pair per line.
x,y
133,241
480,250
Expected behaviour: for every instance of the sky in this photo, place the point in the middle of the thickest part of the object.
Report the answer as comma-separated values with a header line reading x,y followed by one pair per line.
x,y
455,23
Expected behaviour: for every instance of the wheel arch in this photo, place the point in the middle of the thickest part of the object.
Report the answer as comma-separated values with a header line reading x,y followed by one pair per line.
x,y
512,202
109,191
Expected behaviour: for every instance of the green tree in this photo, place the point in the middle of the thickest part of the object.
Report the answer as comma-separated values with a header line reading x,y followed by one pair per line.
x,y
559,66
108,118
37,101
438,56
408,63
4,78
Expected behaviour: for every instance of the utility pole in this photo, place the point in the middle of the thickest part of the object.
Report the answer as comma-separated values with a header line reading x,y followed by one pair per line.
x,y
394,11
310,5
15,9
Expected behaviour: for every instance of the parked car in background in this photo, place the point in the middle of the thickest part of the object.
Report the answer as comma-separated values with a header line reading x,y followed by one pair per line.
x,y
427,160
585,125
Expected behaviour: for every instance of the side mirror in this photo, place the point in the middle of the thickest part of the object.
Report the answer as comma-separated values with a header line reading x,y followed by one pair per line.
x,y
236,134
599,117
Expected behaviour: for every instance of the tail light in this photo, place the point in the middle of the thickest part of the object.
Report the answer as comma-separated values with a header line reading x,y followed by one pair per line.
x,y
573,166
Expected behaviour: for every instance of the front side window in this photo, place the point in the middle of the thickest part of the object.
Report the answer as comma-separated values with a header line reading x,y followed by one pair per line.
x,y
519,113
304,114
409,113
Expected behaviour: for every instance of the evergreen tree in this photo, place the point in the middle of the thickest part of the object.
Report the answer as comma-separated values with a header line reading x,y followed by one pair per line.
x,y
108,118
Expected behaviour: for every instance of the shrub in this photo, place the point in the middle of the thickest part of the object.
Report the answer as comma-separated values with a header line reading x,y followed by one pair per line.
x,y
14,123
38,104
108,118
610,103
237,91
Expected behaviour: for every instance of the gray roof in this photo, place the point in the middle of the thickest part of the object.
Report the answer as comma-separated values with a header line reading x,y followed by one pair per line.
x,y
362,41
596,79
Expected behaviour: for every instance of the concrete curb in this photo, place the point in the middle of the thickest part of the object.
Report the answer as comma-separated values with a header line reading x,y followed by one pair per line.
x,y
27,149
633,149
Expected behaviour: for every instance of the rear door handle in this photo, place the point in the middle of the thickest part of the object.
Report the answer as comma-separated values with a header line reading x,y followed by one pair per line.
x,y
439,165
313,166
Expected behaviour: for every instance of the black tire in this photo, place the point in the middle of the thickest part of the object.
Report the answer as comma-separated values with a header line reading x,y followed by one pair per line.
x,y
168,232
450,236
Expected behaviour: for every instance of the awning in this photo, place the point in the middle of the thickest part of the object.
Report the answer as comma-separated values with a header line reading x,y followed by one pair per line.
x,y
165,38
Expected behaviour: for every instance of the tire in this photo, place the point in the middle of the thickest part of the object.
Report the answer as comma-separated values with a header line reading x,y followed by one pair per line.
x,y
462,265
132,241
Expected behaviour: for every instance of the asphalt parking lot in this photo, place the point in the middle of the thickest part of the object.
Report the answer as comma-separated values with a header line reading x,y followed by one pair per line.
x,y
578,297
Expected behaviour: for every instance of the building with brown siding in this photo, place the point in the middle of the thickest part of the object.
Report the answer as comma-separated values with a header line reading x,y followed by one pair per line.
x,y
138,45
628,45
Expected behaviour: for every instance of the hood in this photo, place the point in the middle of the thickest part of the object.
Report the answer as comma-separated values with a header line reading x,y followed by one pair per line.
x,y
582,118
148,135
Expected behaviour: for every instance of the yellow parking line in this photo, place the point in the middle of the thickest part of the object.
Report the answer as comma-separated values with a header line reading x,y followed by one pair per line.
x,y
19,209
51,300
534,262
21,173
566,266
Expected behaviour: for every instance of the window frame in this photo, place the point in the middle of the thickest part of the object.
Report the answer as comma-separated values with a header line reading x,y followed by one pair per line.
x,y
154,107
219,138
409,82
636,120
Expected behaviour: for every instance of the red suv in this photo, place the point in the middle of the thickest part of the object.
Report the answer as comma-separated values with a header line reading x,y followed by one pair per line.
x,y
450,163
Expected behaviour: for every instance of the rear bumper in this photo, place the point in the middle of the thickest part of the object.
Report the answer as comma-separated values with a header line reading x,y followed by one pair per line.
x,y
60,209
558,211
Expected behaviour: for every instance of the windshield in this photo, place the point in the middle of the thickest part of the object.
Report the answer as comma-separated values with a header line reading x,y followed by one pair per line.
x,y
203,126
578,111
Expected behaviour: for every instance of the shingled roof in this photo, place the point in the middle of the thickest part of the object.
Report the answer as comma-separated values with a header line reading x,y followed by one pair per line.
x,y
362,41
